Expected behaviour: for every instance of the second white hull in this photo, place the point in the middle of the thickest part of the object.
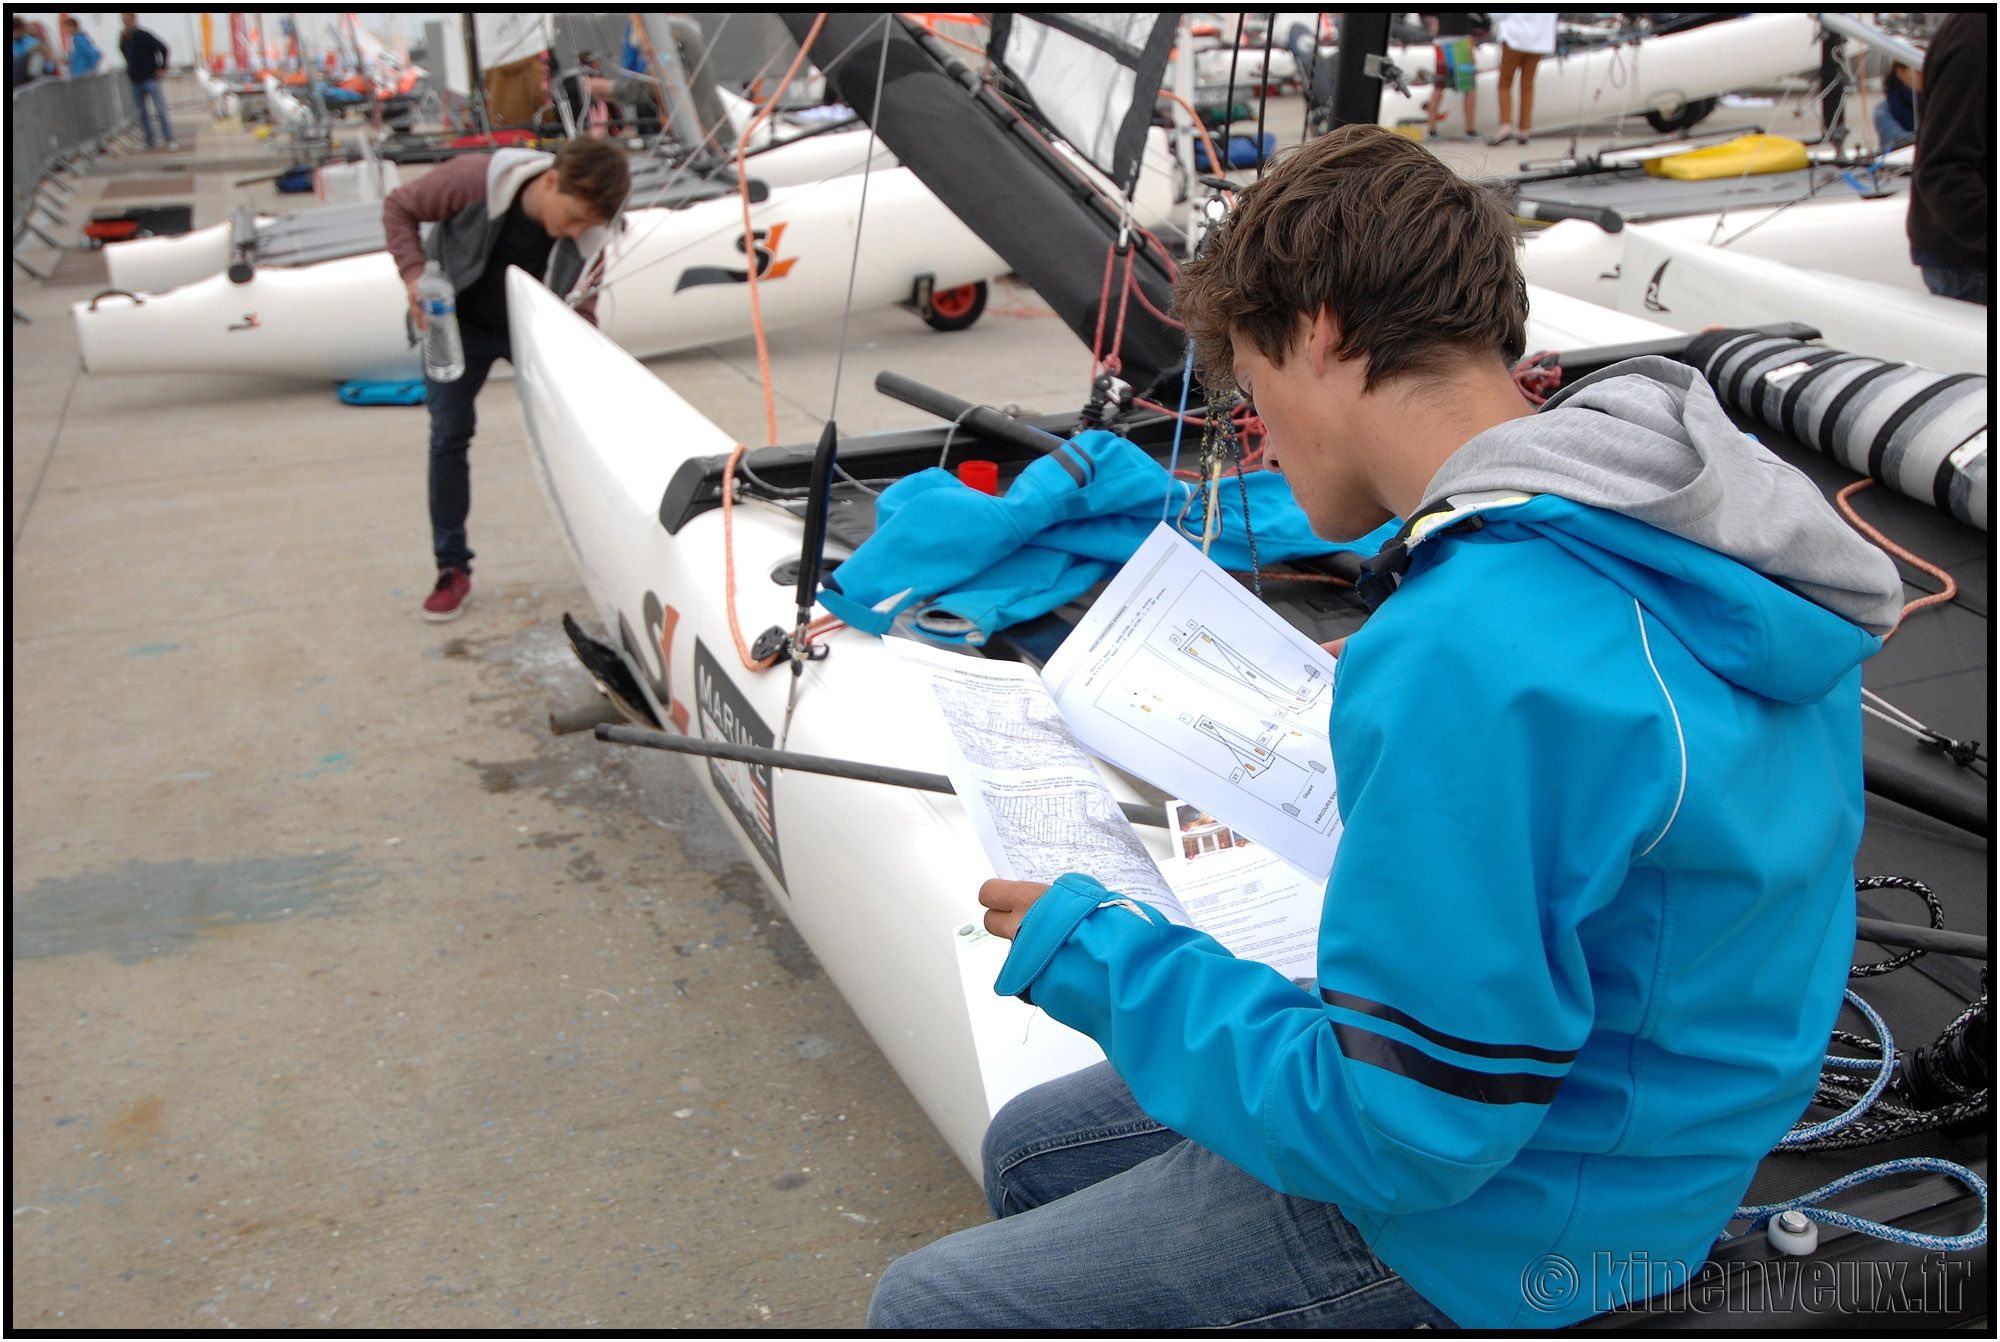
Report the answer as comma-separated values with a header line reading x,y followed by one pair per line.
x,y
1843,268
1659,74
677,281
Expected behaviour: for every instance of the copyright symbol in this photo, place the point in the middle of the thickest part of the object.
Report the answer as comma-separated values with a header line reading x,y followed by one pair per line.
x,y
1549,1283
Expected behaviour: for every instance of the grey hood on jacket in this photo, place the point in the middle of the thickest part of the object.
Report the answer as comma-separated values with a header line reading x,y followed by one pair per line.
x,y
1647,438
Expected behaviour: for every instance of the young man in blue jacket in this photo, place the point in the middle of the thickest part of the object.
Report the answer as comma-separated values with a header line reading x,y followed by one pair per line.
x,y
1599,758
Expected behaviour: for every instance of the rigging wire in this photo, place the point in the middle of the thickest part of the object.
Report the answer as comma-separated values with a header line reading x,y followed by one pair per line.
x,y
1264,90
743,190
860,218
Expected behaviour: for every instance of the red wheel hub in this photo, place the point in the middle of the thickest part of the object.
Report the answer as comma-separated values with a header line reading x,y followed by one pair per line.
x,y
954,302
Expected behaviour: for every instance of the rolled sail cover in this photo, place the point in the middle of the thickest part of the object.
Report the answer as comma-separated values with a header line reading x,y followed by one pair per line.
x,y
1922,433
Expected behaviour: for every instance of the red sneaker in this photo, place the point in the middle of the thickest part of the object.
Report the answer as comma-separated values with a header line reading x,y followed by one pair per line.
x,y
447,600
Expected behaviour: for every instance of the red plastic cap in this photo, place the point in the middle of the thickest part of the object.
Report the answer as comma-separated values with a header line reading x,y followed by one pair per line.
x,y
983,476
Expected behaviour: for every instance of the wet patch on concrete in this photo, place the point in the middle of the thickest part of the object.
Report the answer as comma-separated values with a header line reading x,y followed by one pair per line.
x,y
742,885
613,782
146,909
152,650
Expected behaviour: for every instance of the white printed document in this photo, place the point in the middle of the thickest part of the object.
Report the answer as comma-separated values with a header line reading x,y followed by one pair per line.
x,y
1245,896
1038,803
1180,676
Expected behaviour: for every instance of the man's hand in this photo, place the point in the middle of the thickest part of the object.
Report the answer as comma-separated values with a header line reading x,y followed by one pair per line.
x,y
1007,903
1336,647
416,306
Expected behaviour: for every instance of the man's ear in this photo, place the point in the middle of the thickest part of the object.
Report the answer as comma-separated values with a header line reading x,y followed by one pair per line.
x,y
1322,342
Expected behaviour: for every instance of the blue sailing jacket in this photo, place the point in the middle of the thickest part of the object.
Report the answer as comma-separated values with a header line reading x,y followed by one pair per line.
x,y
1585,936
1065,524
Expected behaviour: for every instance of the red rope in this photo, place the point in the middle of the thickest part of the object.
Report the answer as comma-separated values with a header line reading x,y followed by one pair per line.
x,y
1914,561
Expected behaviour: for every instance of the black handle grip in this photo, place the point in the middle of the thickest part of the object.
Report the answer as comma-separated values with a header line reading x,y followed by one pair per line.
x,y
979,419
814,548
1547,211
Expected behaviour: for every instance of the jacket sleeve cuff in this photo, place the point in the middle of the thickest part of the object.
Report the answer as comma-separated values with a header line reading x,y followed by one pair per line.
x,y
1044,930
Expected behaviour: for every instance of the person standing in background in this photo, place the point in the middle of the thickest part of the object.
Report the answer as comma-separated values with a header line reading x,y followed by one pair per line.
x,y
1456,68
27,57
83,53
1951,196
145,61
1896,114
1524,40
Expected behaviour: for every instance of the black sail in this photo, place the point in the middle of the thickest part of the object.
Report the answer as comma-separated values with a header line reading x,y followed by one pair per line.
x,y
992,168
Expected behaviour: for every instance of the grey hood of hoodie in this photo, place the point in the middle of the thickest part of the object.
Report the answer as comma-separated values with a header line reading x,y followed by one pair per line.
x,y
1647,438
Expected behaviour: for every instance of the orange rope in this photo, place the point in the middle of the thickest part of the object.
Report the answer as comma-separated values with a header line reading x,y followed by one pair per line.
x,y
1216,162
750,241
1935,598
729,566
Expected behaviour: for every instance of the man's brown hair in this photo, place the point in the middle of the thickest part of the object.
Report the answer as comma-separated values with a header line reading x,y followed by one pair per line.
x,y
593,169
1416,263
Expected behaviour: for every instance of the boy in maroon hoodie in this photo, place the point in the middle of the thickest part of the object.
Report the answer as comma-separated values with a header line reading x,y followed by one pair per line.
x,y
549,215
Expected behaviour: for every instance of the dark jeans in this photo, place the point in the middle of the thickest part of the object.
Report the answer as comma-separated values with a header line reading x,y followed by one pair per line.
x,y
149,92
1108,1220
452,423
1964,282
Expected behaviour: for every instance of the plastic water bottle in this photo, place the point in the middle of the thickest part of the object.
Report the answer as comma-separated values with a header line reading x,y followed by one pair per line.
x,y
444,352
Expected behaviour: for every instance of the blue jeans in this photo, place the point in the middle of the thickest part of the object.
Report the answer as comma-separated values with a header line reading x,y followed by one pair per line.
x,y
1891,133
150,91
452,421
1108,1220
1963,282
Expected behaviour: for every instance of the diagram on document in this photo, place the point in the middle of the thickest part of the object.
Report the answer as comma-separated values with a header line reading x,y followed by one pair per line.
x,y
1184,678
1255,724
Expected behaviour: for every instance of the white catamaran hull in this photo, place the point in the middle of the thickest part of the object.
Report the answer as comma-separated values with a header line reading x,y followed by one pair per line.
x,y
881,882
677,280
1659,74
155,265
1843,268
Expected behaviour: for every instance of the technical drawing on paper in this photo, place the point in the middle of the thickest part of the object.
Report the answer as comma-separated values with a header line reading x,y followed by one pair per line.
x,y
1006,724
1052,830
1283,765
1190,644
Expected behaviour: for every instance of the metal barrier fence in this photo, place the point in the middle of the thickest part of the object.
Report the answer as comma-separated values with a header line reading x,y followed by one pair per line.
x,y
52,118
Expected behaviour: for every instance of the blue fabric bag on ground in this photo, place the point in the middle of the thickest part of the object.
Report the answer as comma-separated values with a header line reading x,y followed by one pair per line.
x,y
1067,523
383,393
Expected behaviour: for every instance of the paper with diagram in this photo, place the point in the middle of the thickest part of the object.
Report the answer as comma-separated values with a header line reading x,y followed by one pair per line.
x,y
1185,679
1037,802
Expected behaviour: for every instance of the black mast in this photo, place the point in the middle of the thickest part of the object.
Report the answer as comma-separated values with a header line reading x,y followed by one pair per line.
x,y
991,169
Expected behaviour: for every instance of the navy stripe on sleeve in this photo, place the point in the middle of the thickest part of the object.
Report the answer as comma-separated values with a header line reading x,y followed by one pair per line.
x,y
1394,1055
1382,1011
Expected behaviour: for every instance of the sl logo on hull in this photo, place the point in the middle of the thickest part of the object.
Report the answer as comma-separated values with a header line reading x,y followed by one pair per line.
x,y
769,267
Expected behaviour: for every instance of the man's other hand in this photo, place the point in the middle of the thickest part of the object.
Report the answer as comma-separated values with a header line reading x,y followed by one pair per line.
x,y
1335,647
416,306
1007,903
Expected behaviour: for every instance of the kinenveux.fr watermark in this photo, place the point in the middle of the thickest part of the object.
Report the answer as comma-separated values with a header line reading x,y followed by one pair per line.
x,y
1933,1283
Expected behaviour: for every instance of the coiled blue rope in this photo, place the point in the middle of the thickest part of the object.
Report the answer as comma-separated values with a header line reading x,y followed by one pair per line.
x,y
1807,1204
1885,1067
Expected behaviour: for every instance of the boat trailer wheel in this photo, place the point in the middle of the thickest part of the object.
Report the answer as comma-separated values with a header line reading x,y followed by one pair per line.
x,y
955,309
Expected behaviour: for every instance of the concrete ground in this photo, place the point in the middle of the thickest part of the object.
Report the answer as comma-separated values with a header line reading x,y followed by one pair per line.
x,y
343,994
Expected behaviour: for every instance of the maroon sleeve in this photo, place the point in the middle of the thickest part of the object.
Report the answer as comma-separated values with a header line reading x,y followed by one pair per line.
x,y
437,195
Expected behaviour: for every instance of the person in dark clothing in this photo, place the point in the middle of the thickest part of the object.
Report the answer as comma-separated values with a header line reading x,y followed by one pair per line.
x,y
1951,199
1896,114
145,60
547,214
27,57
